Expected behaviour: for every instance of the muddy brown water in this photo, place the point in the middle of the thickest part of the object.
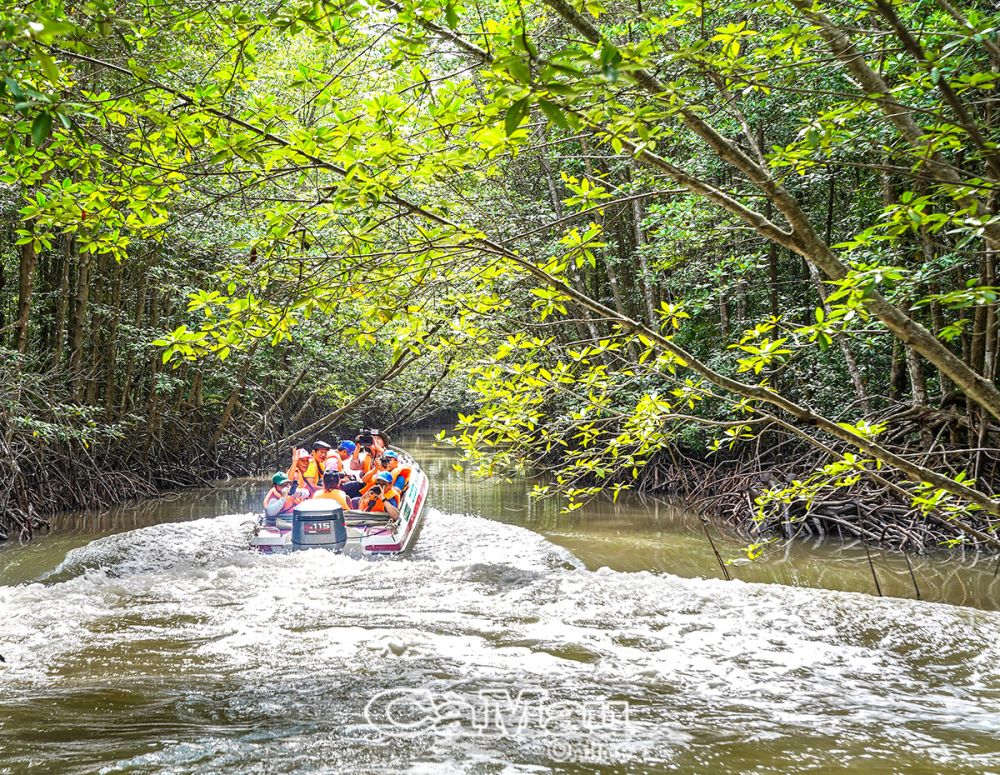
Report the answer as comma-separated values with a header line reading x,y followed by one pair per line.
x,y
145,638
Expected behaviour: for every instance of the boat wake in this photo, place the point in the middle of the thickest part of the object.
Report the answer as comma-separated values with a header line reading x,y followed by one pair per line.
x,y
293,662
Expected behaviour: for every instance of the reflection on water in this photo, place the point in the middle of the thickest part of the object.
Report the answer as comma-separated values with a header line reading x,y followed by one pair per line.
x,y
169,648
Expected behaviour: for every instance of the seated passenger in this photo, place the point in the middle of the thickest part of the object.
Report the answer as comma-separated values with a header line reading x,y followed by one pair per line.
x,y
281,499
400,473
369,476
297,473
331,489
389,461
351,483
333,462
382,497
317,464
367,449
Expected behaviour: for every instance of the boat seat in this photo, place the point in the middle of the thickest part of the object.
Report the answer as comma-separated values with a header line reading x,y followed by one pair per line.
x,y
353,517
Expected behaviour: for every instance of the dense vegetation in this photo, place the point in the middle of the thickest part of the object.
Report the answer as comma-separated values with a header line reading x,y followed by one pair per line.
x,y
745,250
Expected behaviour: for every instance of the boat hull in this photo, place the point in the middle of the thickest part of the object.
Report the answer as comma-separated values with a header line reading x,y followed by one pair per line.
x,y
368,535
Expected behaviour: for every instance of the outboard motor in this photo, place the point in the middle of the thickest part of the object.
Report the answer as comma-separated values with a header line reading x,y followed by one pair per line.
x,y
319,523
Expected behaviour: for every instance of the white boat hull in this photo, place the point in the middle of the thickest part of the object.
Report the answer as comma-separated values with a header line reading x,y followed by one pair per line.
x,y
368,535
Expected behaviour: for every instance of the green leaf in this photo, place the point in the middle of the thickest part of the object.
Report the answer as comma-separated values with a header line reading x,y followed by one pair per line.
x,y
40,128
554,113
519,70
13,88
515,113
451,15
610,58
49,67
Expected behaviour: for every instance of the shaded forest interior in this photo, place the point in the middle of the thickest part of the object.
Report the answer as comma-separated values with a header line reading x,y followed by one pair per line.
x,y
741,252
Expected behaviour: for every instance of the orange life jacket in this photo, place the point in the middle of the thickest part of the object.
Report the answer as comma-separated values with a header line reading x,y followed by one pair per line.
x,y
400,478
378,507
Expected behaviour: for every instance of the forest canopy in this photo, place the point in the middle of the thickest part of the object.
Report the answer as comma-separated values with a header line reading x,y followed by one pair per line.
x,y
741,249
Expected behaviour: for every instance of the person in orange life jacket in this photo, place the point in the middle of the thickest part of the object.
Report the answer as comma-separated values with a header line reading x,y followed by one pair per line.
x,y
400,473
331,489
351,483
281,499
389,461
317,464
368,448
297,473
382,497
363,458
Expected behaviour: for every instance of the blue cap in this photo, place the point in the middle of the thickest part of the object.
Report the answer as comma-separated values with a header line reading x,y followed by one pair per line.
x,y
347,446
390,454
384,476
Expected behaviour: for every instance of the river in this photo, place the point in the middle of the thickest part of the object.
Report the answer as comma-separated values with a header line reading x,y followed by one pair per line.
x,y
513,639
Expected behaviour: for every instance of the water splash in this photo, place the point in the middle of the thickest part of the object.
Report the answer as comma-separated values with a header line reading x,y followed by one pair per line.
x,y
229,659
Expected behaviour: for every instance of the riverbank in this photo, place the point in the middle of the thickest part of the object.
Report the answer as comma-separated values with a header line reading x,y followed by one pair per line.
x,y
62,481
730,485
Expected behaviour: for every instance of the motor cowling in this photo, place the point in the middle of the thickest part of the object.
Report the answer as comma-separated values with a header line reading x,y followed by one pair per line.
x,y
319,523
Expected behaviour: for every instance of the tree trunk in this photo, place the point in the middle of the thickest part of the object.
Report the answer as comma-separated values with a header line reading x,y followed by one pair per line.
x,y
227,412
937,313
918,385
772,248
111,343
724,316
140,310
25,287
197,384
897,372
611,267
96,331
647,281
78,327
772,269
153,404
62,306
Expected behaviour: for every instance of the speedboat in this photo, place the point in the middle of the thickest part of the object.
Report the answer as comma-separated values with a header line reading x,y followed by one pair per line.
x,y
324,524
